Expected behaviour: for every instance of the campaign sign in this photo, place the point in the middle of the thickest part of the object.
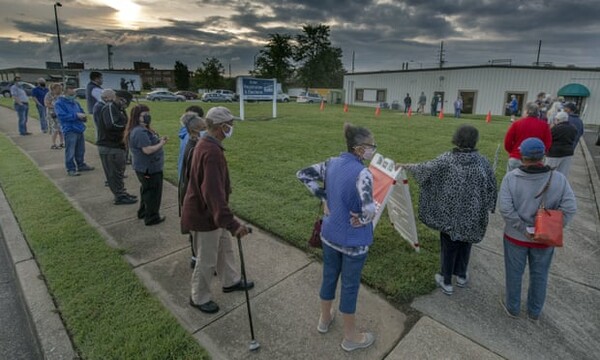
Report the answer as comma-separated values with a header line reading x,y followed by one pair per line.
x,y
258,89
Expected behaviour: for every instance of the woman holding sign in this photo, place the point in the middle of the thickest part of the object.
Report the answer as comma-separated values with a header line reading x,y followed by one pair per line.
x,y
347,230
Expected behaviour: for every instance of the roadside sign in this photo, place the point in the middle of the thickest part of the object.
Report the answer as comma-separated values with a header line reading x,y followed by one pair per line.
x,y
257,89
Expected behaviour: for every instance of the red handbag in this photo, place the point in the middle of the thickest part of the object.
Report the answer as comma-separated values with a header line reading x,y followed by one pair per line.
x,y
315,238
548,223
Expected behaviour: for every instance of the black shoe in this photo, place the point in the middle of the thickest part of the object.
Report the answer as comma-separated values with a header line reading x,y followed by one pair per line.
x,y
193,262
157,221
210,307
131,195
239,286
124,200
85,168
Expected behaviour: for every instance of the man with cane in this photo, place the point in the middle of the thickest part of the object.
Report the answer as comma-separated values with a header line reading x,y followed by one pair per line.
x,y
207,216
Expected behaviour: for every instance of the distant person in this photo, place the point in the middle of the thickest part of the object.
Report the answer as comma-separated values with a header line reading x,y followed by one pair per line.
x,y
207,216
146,148
458,106
518,206
112,120
123,84
422,102
72,121
458,191
195,126
439,105
407,102
93,90
21,101
53,123
574,120
556,107
513,107
347,231
38,94
184,135
434,105
542,106
529,126
564,135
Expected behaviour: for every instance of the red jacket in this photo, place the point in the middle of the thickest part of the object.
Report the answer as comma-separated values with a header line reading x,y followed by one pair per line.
x,y
206,202
523,129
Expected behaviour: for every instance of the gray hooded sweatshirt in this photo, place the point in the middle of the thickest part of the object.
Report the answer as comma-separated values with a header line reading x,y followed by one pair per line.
x,y
518,205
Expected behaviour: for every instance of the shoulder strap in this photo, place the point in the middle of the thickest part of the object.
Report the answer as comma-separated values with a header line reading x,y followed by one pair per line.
x,y
542,205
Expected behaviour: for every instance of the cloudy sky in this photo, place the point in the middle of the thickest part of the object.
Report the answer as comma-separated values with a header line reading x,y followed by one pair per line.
x,y
382,33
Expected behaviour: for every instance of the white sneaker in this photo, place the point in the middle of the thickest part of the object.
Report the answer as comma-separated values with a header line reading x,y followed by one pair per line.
x,y
368,340
323,328
462,281
446,289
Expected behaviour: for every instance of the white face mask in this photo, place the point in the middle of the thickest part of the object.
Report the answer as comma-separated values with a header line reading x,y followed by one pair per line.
x,y
228,134
368,153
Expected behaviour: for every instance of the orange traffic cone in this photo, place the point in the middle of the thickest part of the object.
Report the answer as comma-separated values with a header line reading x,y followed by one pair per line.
x,y
345,107
488,118
322,105
409,112
377,111
441,116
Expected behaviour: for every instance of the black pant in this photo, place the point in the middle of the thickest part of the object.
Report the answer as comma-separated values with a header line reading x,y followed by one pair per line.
x,y
454,257
150,196
114,168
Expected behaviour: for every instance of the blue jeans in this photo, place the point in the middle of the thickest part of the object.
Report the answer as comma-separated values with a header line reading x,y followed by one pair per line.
x,y
515,258
74,150
350,267
456,113
43,122
22,113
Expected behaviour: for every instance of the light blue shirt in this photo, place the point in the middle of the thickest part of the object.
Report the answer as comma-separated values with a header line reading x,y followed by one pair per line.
x,y
17,92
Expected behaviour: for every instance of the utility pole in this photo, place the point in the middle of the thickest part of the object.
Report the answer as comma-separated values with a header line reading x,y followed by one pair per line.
x,y
442,61
62,66
110,57
537,60
229,70
353,61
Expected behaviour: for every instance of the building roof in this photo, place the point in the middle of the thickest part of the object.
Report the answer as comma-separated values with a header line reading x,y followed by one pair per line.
x,y
547,68
574,90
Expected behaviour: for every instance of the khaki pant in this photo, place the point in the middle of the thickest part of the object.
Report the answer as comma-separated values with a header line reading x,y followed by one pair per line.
x,y
215,249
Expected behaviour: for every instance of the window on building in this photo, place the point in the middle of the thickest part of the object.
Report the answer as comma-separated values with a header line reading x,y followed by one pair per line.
x,y
381,95
370,95
360,93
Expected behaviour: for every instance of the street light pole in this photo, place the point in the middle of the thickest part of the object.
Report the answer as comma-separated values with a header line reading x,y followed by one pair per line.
x,y
62,67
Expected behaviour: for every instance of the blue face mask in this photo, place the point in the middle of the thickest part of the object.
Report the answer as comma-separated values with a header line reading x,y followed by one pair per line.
x,y
71,97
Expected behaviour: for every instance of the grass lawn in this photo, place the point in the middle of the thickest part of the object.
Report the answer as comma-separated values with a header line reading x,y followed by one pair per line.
x,y
264,155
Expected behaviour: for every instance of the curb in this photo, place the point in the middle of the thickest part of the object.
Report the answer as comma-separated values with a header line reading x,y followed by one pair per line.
x,y
52,335
594,179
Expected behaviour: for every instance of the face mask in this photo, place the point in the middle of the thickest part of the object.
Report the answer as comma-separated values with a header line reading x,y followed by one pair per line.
x,y
70,97
368,154
43,85
202,133
147,119
228,133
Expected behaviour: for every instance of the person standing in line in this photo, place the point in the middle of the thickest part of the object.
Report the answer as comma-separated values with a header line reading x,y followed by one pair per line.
x,y
207,216
458,106
21,101
53,123
112,120
72,121
561,152
434,105
38,94
518,205
574,120
347,230
422,102
184,136
530,126
439,105
513,107
458,191
93,90
407,102
146,148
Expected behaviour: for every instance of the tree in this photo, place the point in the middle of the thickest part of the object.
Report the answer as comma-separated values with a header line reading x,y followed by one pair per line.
x,y
182,76
321,63
210,74
275,61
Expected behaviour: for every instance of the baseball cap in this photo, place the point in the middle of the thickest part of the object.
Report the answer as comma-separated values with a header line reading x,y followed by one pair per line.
x,y
532,148
571,106
219,115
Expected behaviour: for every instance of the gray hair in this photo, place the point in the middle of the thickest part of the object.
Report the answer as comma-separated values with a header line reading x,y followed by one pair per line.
x,y
561,117
465,137
532,109
192,121
108,95
355,136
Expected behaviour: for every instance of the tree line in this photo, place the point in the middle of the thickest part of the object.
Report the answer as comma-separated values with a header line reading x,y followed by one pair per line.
x,y
307,59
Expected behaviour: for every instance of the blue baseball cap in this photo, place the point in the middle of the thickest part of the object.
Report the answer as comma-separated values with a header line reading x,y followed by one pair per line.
x,y
532,148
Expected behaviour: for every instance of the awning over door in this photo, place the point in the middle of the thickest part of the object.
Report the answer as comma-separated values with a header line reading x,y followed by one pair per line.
x,y
574,90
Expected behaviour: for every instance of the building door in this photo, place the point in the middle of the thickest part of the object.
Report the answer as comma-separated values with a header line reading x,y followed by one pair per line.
x,y
521,96
468,98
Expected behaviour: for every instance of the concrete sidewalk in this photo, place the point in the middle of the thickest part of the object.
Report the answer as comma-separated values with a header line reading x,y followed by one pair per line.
x,y
468,325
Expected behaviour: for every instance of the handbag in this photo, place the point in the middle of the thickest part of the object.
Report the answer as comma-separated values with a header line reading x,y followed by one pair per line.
x,y
315,238
548,223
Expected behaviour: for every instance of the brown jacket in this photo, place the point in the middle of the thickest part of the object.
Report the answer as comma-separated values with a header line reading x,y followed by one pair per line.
x,y
206,201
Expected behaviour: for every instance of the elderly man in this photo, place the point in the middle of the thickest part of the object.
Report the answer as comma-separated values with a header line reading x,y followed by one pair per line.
x,y
574,119
38,94
21,105
112,120
93,90
207,216
561,152
518,205
529,126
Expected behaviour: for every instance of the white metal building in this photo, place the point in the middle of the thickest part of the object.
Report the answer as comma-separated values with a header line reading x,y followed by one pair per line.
x,y
483,88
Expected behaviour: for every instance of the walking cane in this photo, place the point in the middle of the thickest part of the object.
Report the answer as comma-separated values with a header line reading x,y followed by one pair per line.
x,y
254,345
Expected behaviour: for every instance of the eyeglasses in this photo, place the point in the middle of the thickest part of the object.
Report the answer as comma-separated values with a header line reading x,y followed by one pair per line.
x,y
373,146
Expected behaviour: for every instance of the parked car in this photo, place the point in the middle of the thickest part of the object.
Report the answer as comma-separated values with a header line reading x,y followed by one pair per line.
x,y
80,93
5,88
228,93
189,95
283,97
310,98
164,96
216,97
